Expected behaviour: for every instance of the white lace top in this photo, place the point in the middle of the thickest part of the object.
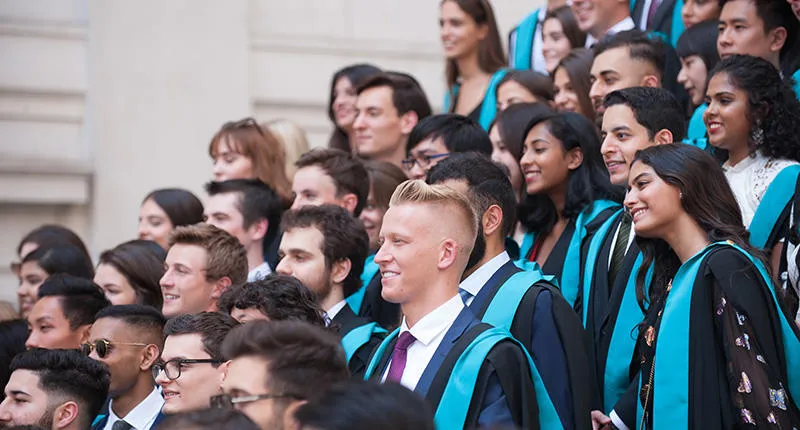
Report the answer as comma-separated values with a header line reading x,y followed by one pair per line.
x,y
750,178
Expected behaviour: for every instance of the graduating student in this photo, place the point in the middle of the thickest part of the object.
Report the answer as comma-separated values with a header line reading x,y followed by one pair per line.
x,y
165,209
524,86
249,210
39,264
342,103
127,339
474,58
383,179
636,118
438,136
696,11
697,49
330,176
661,17
567,188
714,349
130,272
572,82
753,115
501,294
325,248
525,50
275,298
470,374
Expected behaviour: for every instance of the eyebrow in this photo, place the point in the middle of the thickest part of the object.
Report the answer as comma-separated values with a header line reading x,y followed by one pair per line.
x,y
535,141
17,393
620,128
296,251
639,176
42,318
608,72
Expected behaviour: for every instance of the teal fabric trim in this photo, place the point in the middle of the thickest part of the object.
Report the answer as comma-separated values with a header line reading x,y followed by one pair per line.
x,y
454,405
489,106
527,243
616,376
380,352
591,261
677,27
503,306
523,46
356,300
778,195
358,337
696,133
796,86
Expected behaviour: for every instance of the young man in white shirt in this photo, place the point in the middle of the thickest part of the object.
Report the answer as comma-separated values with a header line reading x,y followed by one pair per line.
x,y
599,18
325,248
428,234
250,211
127,339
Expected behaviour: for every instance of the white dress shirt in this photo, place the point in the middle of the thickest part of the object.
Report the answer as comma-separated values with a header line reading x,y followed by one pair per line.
x,y
631,235
143,416
334,310
428,332
259,272
749,180
481,276
624,25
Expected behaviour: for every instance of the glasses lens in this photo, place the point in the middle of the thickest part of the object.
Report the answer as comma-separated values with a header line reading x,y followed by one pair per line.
x,y
101,347
408,164
173,370
86,349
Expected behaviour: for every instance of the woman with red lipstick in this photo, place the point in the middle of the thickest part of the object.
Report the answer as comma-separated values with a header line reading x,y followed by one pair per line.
x,y
567,191
474,58
342,102
754,115
714,349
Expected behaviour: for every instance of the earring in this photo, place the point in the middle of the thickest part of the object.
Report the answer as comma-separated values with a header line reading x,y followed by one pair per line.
x,y
757,134
680,195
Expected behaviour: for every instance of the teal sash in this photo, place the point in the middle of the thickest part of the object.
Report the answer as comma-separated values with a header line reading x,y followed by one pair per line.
x,y
356,299
505,303
696,134
796,86
358,337
616,376
676,26
453,408
489,106
671,378
523,45
591,260
527,243
571,272
778,195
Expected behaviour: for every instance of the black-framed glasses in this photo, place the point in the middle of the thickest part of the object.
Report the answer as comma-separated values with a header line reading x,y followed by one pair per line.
x,y
424,161
225,401
104,346
172,368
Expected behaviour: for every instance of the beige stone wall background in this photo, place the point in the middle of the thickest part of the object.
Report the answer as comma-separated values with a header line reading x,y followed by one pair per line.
x,y
102,101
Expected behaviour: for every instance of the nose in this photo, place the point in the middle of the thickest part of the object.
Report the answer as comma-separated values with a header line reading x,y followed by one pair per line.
x,y
724,38
143,231
166,280
382,256
560,100
630,199
161,378
32,341
682,78
416,172
607,146
283,267
596,92
686,11
359,123
297,203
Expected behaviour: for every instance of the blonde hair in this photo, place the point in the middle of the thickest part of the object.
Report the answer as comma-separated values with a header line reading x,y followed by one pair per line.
x,y
293,140
446,198
7,312
225,255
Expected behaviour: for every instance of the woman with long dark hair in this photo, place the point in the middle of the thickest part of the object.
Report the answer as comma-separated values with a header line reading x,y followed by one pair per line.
x,y
714,349
342,102
567,188
560,35
754,115
164,209
40,264
697,50
571,81
475,58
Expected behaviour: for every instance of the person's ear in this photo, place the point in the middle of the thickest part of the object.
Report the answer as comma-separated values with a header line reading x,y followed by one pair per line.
x,y
65,415
289,421
663,136
492,220
408,121
83,332
258,229
349,201
340,270
223,374
448,253
574,158
777,38
150,354
220,287
651,81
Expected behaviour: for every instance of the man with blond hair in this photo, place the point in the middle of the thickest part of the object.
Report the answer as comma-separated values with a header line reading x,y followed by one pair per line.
x,y
202,262
428,233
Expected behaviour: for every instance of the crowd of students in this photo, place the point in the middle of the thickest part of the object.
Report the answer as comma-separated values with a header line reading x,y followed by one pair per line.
x,y
602,232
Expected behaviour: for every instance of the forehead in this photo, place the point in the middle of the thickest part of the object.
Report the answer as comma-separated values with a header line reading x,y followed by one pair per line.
x,y
247,315
307,239
184,346
225,145
615,59
619,115
430,146
150,208
223,202
247,373
637,168
47,307
24,380
375,97
720,82
552,24
192,256
739,9
312,177
108,328
31,267
410,219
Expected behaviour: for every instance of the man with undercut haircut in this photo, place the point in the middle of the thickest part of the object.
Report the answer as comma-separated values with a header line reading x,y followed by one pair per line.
x,y
635,119
250,211
127,339
325,248
55,389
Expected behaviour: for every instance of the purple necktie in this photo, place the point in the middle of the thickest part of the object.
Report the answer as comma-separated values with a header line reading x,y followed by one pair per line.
x,y
652,12
399,356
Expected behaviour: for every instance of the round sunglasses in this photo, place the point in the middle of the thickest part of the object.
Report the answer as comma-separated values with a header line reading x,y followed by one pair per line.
x,y
104,346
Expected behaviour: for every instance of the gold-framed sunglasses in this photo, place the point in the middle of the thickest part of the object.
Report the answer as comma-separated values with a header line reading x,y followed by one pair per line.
x,y
104,346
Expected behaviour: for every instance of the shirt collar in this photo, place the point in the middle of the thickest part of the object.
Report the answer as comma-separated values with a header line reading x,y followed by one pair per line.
x,y
335,309
437,321
259,272
474,282
143,414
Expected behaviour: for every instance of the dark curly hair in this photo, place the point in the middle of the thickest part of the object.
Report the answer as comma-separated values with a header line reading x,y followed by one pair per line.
x,y
586,184
772,102
278,297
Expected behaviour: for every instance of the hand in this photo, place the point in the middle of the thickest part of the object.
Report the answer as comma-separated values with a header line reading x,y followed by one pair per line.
x,y
599,420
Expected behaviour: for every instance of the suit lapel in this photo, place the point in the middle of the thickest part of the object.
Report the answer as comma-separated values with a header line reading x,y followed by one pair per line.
x,y
463,322
664,10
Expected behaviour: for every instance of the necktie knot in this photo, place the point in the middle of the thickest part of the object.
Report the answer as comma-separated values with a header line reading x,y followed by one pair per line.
x,y
121,425
404,340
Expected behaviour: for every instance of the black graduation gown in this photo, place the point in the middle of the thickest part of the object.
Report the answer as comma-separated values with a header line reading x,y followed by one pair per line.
x,y
375,308
734,330
345,321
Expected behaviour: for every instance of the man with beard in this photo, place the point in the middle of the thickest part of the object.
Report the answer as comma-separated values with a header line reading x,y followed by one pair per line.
x,y
325,248
538,317
55,389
